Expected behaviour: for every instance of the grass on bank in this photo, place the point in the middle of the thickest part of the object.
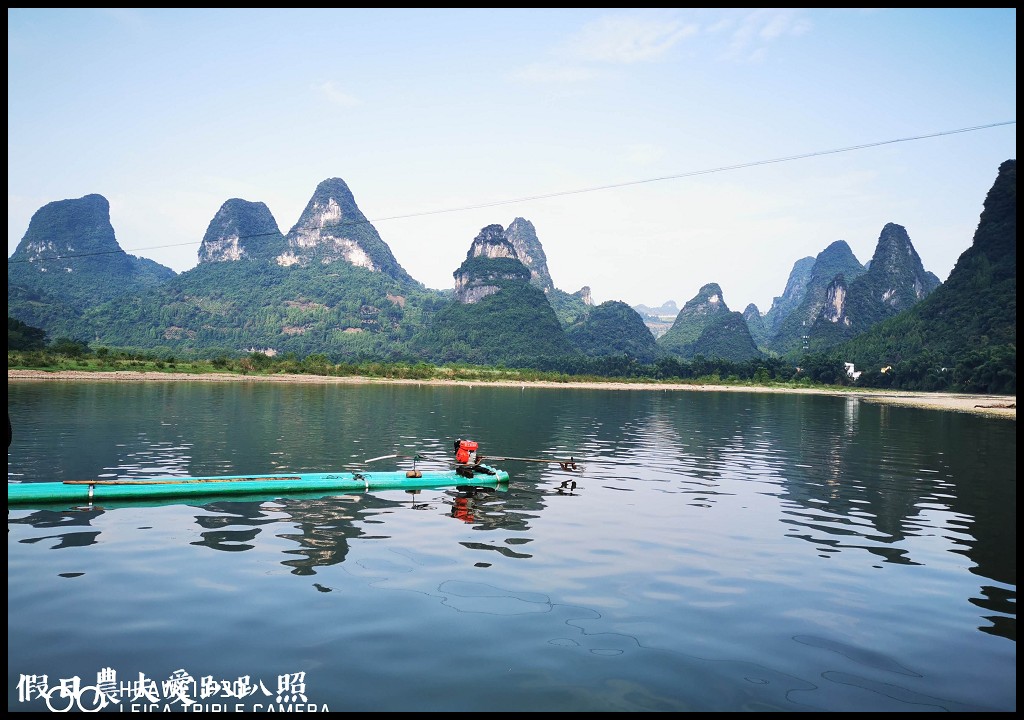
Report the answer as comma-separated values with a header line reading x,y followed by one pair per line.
x,y
258,365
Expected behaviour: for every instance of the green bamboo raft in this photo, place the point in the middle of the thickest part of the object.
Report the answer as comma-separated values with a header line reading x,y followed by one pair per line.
x,y
277,486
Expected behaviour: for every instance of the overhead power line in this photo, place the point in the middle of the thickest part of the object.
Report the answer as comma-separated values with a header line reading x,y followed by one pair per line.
x,y
580,191
695,173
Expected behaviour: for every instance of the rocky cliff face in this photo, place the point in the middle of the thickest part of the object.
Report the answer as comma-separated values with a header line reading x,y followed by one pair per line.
x,y
835,260
332,229
523,237
833,310
242,230
584,295
490,263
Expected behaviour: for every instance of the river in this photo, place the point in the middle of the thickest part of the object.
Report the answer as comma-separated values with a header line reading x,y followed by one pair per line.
x,y
714,551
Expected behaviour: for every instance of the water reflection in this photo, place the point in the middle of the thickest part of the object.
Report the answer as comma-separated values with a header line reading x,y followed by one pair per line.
x,y
415,493
61,521
865,478
145,458
464,506
324,527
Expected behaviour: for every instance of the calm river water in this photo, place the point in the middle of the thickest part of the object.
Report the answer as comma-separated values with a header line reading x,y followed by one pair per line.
x,y
719,551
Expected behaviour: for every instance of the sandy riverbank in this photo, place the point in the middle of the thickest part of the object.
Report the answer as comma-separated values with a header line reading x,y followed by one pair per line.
x,y
992,405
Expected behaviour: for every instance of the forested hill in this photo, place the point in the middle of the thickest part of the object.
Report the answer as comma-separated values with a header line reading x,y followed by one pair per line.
x,y
963,335
69,261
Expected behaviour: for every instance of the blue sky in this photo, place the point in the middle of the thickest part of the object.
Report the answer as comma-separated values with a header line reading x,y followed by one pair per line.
x,y
640,143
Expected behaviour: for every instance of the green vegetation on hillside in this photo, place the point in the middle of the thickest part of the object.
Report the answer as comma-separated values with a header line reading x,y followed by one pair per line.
x,y
569,307
24,337
224,308
28,349
613,328
514,327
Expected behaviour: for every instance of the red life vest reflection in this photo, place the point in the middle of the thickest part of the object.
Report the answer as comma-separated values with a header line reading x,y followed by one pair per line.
x,y
462,509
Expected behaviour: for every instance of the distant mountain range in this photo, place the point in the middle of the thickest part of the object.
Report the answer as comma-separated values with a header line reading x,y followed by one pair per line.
x,y
332,286
666,311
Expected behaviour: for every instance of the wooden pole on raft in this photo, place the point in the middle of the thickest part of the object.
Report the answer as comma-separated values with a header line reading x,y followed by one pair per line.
x,y
183,481
569,464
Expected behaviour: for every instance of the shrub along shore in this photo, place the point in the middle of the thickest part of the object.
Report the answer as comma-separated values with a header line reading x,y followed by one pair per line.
x,y
1001,406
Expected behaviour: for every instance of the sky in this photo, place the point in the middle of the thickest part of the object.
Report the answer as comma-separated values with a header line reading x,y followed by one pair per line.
x,y
654,150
